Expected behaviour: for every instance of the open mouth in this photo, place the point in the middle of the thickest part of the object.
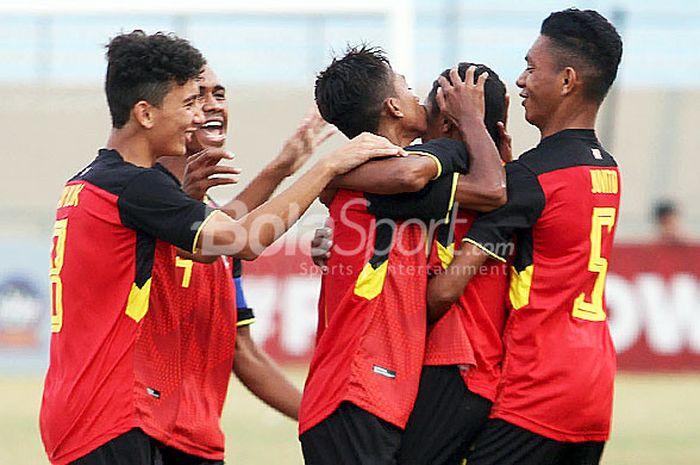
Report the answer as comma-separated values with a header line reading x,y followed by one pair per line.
x,y
212,131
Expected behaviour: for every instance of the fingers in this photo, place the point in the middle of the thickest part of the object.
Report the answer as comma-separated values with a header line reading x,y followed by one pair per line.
x,y
440,99
213,182
454,76
444,83
469,75
481,81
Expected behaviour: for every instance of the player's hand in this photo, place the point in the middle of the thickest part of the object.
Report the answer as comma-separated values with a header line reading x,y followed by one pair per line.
x,y
321,246
359,150
505,144
311,133
203,172
462,101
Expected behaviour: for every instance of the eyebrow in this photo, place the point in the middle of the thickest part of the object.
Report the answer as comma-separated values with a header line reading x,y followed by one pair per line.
x,y
191,98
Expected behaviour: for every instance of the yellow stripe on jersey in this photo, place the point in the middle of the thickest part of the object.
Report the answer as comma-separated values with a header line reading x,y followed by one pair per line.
x,y
446,254
370,282
455,179
137,305
432,157
520,284
484,249
201,227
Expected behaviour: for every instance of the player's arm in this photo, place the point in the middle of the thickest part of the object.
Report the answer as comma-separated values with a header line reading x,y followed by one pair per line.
x,y
484,188
263,377
491,235
410,174
248,236
155,204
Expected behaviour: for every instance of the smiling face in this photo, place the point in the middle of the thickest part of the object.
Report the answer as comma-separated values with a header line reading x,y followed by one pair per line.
x,y
212,96
541,83
175,119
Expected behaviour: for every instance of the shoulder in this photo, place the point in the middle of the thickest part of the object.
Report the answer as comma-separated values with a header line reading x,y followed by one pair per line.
x,y
110,172
438,146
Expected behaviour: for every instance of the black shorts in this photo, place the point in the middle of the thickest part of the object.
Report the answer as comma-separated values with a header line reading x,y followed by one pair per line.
x,y
131,448
445,419
137,448
351,436
170,456
502,443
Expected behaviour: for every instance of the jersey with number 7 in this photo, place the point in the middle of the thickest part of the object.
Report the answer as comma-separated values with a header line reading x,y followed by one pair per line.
x,y
559,367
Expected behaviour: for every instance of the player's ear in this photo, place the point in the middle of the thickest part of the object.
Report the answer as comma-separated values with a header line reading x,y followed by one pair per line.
x,y
446,125
569,80
392,107
142,112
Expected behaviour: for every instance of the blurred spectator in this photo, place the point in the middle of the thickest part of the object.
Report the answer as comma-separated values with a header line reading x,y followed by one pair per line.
x,y
668,224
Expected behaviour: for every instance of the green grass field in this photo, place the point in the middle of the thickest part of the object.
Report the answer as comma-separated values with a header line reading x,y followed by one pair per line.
x,y
657,420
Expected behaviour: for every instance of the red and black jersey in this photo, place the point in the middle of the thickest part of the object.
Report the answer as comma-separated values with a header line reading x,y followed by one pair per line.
x,y
471,331
559,365
372,315
184,351
107,222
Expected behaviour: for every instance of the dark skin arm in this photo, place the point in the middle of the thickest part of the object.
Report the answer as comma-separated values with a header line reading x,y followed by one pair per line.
x,y
446,288
263,377
387,177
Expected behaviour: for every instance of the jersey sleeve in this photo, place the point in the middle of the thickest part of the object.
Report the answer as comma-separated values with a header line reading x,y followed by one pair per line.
x,y
153,203
246,316
494,232
450,155
433,202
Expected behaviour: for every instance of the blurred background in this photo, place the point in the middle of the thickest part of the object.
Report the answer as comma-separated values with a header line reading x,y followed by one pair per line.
x,y
54,117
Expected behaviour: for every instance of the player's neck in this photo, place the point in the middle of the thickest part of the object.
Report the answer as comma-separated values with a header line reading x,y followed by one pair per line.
x,y
581,116
133,149
396,134
176,165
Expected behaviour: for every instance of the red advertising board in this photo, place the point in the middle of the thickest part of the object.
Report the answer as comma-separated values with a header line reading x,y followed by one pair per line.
x,y
653,295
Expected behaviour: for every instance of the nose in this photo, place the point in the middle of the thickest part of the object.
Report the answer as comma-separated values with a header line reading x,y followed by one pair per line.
x,y
521,80
211,103
198,116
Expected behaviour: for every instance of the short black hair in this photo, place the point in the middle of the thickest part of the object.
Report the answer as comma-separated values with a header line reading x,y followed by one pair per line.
x,y
494,96
349,93
589,43
664,209
144,67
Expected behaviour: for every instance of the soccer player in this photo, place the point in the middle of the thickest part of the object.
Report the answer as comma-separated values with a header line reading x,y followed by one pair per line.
x,y
447,414
108,219
554,402
365,370
184,377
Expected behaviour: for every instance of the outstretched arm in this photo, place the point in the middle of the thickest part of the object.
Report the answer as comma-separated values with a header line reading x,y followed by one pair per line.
x,y
248,236
263,377
389,176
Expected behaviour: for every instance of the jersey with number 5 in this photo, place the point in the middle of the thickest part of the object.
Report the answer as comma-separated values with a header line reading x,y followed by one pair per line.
x,y
559,366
